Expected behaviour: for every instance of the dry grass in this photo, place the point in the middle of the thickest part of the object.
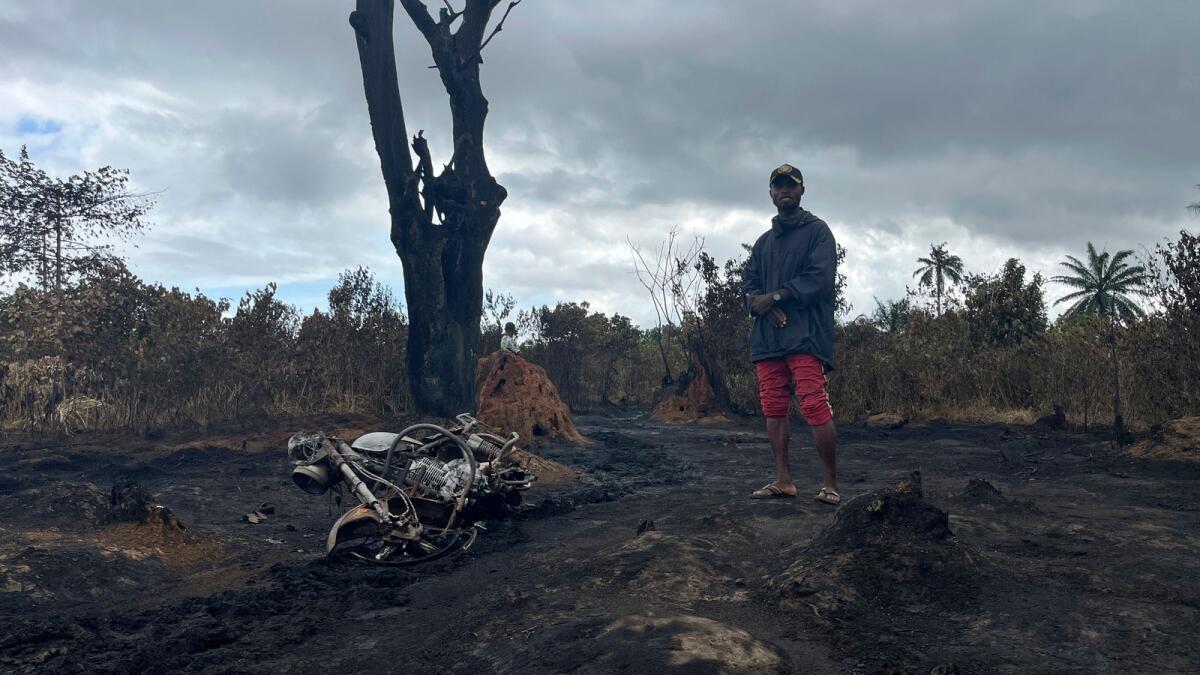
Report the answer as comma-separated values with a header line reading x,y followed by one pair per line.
x,y
1178,439
981,413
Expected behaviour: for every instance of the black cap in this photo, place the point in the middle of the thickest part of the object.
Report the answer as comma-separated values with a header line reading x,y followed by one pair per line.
x,y
788,171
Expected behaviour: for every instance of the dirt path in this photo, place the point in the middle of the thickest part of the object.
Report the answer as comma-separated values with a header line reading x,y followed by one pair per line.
x,y
1089,562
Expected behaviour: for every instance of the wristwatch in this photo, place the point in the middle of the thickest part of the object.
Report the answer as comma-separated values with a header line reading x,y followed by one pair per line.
x,y
776,297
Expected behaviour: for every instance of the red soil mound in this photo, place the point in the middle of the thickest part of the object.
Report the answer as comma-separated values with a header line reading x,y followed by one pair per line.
x,y
689,401
516,395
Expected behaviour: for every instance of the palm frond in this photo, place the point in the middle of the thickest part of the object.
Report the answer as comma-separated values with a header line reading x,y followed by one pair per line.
x,y
1073,296
1077,309
1072,263
1073,282
1119,257
1122,295
926,265
1129,275
1130,289
1093,257
1125,308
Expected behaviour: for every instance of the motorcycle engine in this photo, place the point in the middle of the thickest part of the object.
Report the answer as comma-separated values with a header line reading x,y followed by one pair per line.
x,y
445,479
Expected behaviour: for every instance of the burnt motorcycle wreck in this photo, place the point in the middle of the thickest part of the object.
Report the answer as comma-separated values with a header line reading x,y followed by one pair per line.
x,y
418,495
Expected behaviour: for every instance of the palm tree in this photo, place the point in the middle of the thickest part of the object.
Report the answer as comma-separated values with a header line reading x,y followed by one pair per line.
x,y
937,268
1194,207
1103,287
891,317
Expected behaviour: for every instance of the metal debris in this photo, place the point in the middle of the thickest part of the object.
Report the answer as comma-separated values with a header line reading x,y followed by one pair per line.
x,y
416,495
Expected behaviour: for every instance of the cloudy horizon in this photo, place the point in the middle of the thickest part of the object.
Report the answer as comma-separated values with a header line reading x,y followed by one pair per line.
x,y
1003,131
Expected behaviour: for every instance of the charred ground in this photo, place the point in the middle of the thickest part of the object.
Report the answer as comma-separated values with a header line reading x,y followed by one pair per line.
x,y
1069,558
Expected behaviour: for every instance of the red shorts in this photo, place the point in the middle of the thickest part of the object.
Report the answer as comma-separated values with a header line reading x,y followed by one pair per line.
x,y
774,378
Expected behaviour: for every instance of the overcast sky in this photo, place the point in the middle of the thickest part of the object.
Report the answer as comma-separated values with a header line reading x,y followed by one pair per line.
x,y
1005,129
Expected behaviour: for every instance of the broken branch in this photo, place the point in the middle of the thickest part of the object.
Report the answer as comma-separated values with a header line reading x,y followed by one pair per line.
x,y
424,171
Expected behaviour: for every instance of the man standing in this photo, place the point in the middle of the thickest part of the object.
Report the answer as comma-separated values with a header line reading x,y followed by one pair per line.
x,y
789,289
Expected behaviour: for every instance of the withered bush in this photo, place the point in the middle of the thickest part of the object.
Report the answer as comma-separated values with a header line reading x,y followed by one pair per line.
x,y
594,360
111,351
352,358
992,358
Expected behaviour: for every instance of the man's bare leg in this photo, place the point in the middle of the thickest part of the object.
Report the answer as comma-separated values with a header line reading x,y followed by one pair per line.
x,y
825,438
779,431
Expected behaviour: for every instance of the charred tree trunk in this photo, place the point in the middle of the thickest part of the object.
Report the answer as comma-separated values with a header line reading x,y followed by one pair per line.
x,y
58,259
440,224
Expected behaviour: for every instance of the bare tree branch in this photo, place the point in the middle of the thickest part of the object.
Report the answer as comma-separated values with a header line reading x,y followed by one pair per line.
x,y
499,27
672,280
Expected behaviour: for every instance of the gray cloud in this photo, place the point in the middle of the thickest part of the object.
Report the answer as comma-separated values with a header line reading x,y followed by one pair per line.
x,y
1001,128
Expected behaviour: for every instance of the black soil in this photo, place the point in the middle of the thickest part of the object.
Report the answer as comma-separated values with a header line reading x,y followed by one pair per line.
x,y
1012,550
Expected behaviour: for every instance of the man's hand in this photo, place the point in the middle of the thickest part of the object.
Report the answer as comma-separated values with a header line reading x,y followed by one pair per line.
x,y
778,317
760,304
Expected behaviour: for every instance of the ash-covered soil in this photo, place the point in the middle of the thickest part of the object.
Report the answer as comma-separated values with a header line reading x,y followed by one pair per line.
x,y
1018,551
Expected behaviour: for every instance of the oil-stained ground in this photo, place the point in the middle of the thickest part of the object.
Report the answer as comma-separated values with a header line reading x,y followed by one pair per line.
x,y
1069,558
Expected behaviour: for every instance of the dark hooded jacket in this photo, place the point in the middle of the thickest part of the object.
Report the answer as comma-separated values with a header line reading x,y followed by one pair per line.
x,y
797,253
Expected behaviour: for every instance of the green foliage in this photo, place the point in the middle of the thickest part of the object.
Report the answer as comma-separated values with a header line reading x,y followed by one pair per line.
x,y
1103,285
54,229
497,308
893,316
1102,288
1164,348
721,326
1004,310
1174,276
593,359
941,266
841,305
